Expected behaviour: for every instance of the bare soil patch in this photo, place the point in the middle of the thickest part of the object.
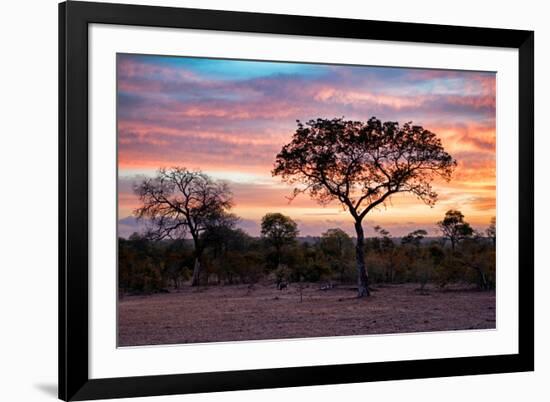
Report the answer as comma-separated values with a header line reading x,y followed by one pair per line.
x,y
237,313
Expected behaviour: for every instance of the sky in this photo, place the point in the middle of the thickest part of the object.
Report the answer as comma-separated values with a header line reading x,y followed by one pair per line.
x,y
230,118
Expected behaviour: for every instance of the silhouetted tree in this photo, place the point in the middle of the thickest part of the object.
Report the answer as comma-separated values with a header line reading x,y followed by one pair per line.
x,y
387,249
454,228
337,246
477,254
414,238
222,236
492,230
278,230
335,242
361,165
417,266
178,201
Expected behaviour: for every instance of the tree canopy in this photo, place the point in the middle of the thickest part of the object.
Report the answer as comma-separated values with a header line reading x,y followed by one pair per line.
x,y
415,237
454,227
362,164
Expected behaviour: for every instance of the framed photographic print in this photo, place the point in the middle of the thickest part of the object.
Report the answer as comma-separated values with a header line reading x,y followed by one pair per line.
x,y
257,200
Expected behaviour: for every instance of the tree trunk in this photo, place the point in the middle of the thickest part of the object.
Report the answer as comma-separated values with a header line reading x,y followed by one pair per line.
x,y
482,279
196,272
278,252
195,280
362,276
342,267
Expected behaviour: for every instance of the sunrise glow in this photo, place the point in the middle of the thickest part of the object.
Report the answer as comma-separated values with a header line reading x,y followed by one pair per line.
x,y
230,118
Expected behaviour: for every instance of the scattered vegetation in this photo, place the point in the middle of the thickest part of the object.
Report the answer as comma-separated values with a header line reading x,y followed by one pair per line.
x,y
231,256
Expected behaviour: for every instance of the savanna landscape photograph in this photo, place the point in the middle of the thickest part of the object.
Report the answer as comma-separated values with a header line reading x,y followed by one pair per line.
x,y
273,200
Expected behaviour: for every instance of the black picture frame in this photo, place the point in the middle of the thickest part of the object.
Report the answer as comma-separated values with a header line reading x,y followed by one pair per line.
x,y
74,381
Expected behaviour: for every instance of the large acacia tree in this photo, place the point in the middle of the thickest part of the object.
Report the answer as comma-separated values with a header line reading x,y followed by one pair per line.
x,y
177,202
361,165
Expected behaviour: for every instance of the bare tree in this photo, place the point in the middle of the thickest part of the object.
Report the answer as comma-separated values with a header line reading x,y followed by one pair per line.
x,y
178,202
454,227
361,165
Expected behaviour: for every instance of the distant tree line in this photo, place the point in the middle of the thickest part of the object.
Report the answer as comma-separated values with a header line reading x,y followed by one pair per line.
x,y
231,256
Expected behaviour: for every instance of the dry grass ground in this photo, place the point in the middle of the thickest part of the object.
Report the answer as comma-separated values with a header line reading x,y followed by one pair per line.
x,y
235,313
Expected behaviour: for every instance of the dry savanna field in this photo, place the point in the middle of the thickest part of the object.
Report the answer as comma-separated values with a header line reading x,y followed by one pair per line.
x,y
242,312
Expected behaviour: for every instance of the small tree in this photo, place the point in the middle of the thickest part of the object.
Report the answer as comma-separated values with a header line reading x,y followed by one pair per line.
x,y
418,267
335,242
387,250
492,230
220,233
279,230
454,228
361,165
477,255
414,238
338,246
178,202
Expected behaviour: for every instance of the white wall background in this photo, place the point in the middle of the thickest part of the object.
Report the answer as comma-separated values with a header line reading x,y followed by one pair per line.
x,y
28,199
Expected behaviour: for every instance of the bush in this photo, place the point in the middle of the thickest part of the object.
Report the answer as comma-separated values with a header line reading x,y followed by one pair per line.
x,y
234,257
